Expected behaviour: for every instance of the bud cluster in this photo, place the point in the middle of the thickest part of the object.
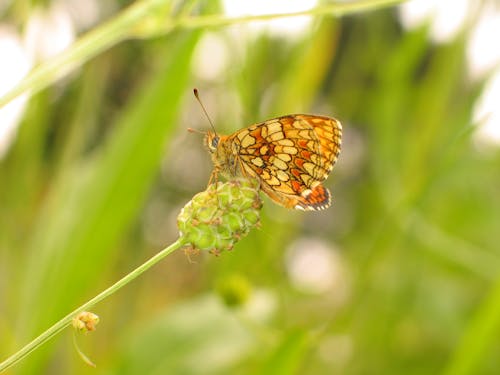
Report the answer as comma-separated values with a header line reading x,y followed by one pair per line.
x,y
220,216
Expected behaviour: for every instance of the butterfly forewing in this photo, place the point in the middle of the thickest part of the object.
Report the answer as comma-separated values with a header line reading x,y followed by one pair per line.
x,y
290,155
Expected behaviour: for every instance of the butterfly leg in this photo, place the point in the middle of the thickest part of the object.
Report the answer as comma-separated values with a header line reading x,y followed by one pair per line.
x,y
214,177
213,180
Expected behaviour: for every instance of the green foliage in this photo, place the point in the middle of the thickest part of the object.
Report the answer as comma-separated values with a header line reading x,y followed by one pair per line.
x,y
96,166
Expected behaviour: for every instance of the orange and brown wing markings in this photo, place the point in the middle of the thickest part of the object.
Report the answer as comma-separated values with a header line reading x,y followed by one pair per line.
x,y
291,156
317,146
318,199
261,159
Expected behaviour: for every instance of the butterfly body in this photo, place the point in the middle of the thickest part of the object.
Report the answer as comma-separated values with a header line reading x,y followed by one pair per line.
x,y
290,156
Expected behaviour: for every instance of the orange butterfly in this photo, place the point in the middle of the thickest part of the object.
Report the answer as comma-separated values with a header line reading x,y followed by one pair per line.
x,y
290,156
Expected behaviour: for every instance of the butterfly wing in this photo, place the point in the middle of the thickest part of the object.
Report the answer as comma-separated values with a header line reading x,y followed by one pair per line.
x,y
291,156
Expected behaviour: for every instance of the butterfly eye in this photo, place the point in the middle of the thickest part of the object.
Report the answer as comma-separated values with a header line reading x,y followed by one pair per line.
x,y
215,142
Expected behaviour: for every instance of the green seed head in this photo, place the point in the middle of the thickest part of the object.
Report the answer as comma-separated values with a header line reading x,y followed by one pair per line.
x,y
220,216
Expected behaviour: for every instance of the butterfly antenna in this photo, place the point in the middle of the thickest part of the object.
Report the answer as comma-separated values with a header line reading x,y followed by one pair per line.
x,y
197,96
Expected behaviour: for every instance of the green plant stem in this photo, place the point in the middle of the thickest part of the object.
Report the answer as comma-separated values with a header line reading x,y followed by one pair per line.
x,y
152,18
100,39
333,9
66,321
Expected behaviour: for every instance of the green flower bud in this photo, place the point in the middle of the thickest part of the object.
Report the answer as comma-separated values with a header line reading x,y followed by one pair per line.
x,y
235,290
85,321
220,216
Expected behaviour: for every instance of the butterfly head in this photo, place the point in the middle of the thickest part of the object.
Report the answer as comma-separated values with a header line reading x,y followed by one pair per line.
x,y
212,141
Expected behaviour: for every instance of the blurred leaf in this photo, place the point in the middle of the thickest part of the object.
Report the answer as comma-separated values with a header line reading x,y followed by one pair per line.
x,y
200,336
289,356
90,207
480,334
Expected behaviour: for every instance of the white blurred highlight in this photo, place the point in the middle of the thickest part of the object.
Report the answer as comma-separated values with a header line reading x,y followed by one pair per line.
x,y
48,32
85,13
14,65
447,17
484,58
283,26
482,48
487,115
262,306
314,266
211,58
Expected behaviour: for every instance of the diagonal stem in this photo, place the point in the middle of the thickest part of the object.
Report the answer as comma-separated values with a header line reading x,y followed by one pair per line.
x,y
66,321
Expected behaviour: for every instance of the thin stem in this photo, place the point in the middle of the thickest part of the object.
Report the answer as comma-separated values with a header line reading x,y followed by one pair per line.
x,y
66,321
150,18
334,9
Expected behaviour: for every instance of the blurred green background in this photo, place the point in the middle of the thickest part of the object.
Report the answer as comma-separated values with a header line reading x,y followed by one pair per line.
x,y
398,276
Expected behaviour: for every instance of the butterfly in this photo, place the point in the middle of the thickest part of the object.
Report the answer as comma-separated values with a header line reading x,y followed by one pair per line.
x,y
290,156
